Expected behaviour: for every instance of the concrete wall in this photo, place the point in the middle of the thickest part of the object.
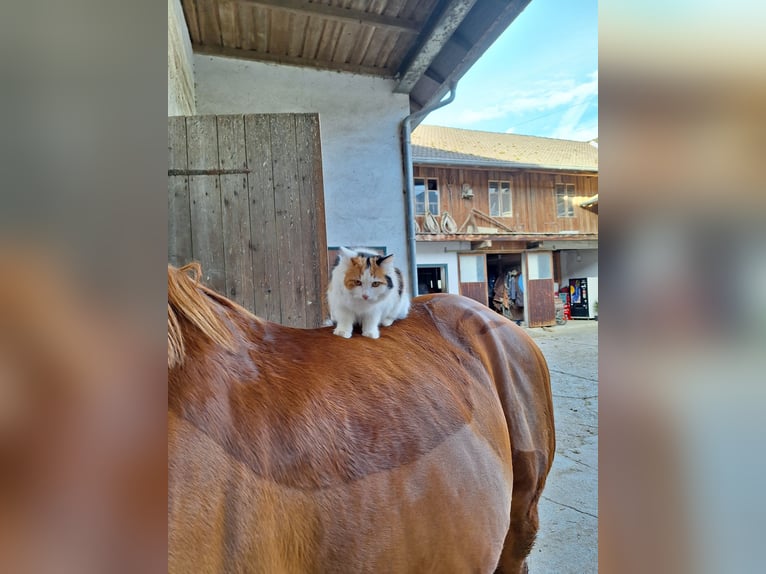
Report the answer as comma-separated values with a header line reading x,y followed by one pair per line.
x,y
359,119
180,69
433,253
586,267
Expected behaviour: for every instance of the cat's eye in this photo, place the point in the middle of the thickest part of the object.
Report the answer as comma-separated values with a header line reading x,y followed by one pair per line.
x,y
357,283
377,283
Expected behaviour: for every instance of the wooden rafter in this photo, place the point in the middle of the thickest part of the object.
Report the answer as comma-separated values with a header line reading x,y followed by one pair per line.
x,y
338,13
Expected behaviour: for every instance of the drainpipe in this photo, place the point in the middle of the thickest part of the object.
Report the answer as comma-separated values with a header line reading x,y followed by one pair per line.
x,y
409,196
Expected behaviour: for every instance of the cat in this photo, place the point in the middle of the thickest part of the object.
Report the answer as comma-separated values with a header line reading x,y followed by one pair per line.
x,y
365,288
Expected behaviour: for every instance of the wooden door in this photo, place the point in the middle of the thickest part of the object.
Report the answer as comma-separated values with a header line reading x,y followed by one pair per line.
x,y
538,294
246,200
472,269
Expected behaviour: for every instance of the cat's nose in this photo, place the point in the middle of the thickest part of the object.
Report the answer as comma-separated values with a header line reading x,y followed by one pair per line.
x,y
365,297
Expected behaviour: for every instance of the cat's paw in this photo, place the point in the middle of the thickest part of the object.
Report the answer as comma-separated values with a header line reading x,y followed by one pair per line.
x,y
387,322
346,334
372,334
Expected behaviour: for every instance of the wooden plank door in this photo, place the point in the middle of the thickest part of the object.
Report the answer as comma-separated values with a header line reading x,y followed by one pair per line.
x,y
246,200
472,269
538,295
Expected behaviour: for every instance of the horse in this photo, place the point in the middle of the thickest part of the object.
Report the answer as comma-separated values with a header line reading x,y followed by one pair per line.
x,y
296,451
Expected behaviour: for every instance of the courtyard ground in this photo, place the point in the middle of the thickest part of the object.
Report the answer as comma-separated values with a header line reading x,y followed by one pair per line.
x,y
568,538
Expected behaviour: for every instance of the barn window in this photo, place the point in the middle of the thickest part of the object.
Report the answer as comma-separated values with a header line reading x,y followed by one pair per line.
x,y
500,199
426,196
565,194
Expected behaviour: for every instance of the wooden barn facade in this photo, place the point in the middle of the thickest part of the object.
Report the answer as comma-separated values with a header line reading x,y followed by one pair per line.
x,y
487,203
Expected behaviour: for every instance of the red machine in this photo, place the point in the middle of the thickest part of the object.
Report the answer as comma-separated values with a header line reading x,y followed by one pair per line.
x,y
564,296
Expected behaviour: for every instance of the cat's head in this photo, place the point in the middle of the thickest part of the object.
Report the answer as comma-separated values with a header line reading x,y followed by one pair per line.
x,y
366,275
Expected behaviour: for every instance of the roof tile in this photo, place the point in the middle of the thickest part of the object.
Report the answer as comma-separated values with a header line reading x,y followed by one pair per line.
x,y
453,146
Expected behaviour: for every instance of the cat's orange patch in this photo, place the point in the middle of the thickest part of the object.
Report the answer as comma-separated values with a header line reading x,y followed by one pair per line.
x,y
355,270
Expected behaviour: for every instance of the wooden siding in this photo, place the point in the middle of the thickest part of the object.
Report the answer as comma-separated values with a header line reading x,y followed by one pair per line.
x,y
541,308
475,291
532,195
245,199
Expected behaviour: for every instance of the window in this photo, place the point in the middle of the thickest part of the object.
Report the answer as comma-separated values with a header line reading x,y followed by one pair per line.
x,y
565,193
500,199
471,268
426,196
539,265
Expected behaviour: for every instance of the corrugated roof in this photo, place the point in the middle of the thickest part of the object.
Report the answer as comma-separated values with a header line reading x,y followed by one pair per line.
x,y
453,146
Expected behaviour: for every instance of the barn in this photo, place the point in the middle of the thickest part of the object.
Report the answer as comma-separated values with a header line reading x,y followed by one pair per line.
x,y
289,133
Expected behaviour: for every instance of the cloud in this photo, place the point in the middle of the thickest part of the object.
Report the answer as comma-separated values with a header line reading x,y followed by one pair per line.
x,y
571,126
551,95
536,100
576,131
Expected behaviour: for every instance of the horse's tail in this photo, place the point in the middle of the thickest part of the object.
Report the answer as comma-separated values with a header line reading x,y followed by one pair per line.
x,y
187,300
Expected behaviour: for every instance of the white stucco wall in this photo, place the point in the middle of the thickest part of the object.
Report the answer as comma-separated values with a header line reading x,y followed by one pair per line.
x,y
180,68
443,253
586,267
359,118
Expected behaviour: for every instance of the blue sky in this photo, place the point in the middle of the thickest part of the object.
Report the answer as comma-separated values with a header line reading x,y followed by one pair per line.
x,y
539,78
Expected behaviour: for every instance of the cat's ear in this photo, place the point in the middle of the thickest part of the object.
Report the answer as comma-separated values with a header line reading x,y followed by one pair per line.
x,y
347,253
385,260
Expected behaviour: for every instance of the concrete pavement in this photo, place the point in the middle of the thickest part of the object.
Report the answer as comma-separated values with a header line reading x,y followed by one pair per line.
x,y
568,538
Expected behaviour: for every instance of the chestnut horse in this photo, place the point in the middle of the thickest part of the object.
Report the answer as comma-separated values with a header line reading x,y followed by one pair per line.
x,y
293,450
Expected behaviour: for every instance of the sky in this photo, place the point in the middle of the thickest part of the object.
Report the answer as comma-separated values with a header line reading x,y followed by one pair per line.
x,y
539,78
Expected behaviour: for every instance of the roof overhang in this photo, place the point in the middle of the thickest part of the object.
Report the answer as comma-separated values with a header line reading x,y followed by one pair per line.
x,y
424,45
567,243
431,42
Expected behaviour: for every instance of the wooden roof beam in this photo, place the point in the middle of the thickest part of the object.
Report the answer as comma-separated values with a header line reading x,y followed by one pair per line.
x,y
338,13
436,35
253,56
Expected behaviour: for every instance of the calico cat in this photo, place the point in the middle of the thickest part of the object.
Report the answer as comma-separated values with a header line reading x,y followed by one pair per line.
x,y
365,288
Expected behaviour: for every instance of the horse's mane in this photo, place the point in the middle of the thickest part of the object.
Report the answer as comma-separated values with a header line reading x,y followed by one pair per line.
x,y
190,300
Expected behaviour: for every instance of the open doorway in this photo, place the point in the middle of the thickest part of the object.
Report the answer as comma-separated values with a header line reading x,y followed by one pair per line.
x,y
432,279
499,266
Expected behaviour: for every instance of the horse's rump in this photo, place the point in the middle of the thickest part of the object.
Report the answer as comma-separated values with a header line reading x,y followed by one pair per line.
x,y
297,451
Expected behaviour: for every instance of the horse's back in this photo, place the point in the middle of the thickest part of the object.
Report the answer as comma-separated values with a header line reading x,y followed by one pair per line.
x,y
335,455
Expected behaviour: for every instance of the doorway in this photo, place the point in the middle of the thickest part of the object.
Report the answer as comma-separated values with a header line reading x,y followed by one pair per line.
x,y
499,265
432,279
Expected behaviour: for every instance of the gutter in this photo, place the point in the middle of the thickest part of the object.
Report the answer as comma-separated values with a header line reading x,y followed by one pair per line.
x,y
409,196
